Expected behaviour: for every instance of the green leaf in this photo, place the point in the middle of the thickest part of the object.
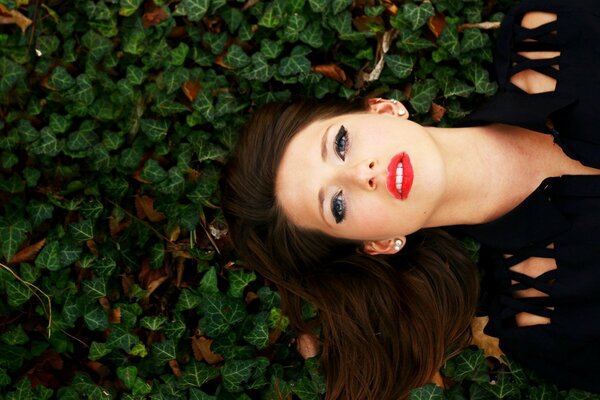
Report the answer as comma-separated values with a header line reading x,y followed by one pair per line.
x,y
174,77
208,284
81,140
153,323
194,9
10,74
197,374
472,39
49,257
153,172
135,75
455,87
503,387
259,69
259,335
61,79
127,375
235,372
411,41
174,184
428,392
154,129
423,94
128,7
272,17
96,319
401,65
312,35
306,389
417,15
468,364
83,230
236,57
188,300
98,350
95,288
318,6
238,280
164,351
220,312
17,293
157,255
59,123
121,339
337,6
14,336
449,40
294,65
481,79
12,234
270,49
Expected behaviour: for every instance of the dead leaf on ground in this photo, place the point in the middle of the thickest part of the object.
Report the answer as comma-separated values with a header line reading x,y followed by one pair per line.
x,y
383,46
489,344
436,24
437,112
438,380
9,17
144,206
390,7
28,253
331,71
202,351
154,15
191,89
175,368
364,23
114,317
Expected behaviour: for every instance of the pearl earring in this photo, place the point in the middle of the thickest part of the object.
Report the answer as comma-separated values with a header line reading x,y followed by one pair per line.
x,y
397,244
401,111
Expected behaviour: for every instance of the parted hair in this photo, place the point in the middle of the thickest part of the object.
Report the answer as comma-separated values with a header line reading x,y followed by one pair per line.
x,y
389,321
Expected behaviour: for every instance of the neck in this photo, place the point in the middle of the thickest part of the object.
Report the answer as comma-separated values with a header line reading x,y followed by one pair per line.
x,y
490,170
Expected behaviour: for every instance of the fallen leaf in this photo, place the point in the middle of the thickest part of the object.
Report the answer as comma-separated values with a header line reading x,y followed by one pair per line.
x,y
9,17
191,89
144,206
383,46
28,253
250,297
175,368
331,71
98,368
307,345
437,112
438,380
489,344
390,7
364,23
115,316
104,303
480,25
201,348
154,15
219,61
92,247
436,24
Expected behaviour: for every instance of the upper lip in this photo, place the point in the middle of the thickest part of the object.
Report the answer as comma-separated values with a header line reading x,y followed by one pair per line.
x,y
402,161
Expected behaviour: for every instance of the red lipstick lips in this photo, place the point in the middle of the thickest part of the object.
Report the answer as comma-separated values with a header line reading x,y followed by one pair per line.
x,y
400,176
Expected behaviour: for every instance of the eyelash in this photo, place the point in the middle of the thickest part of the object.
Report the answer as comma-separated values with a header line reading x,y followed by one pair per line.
x,y
338,207
341,143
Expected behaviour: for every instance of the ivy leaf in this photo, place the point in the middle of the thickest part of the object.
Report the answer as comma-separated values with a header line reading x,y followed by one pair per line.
x,y
153,323
15,336
17,293
417,15
312,35
219,313
270,49
208,284
318,6
235,372
59,123
61,79
423,94
194,9
233,17
127,375
10,74
337,6
306,389
12,233
481,79
427,392
236,57
503,387
472,39
455,87
173,78
121,339
164,351
272,17
154,129
49,257
128,7
259,335
449,40
238,280
188,300
294,65
95,288
153,172
96,319
401,65
198,373
83,230
98,350
174,184
468,364
259,69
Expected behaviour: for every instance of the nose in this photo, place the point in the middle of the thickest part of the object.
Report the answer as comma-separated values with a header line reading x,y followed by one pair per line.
x,y
364,174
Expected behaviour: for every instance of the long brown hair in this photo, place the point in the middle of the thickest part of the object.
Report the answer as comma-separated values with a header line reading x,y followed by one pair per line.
x,y
388,322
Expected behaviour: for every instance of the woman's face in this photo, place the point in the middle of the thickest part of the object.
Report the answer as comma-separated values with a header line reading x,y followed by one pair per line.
x,y
364,176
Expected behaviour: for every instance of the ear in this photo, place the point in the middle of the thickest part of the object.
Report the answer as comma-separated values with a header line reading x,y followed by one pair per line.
x,y
384,106
387,246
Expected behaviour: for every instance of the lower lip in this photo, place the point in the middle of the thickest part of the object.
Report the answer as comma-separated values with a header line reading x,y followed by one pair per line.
x,y
407,176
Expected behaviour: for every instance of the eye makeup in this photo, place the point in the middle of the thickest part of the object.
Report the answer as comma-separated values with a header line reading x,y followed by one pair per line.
x,y
340,143
338,207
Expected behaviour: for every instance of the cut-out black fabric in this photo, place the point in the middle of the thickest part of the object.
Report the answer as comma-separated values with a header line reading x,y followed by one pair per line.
x,y
563,212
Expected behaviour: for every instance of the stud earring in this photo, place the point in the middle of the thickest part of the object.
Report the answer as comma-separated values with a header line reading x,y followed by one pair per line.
x,y
401,111
397,244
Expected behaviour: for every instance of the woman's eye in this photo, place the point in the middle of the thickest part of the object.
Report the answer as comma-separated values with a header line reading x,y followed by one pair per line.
x,y
338,207
341,143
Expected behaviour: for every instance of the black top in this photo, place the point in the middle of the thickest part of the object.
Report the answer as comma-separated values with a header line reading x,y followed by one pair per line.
x,y
563,211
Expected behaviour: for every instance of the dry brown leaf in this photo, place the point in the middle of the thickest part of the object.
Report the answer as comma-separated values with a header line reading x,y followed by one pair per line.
x,y
331,71
202,345
92,247
219,61
191,89
480,25
9,17
154,15
250,297
104,303
175,368
437,112
307,345
438,380
28,253
489,344
383,46
98,368
390,7
173,235
136,175
115,316
436,24
363,23
127,282
117,227
152,286
144,206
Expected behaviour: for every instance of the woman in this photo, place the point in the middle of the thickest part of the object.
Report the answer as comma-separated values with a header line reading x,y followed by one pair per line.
x,y
309,184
